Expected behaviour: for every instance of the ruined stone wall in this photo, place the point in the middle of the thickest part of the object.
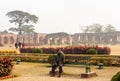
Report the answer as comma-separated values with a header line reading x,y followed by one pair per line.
x,y
7,39
61,38
96,38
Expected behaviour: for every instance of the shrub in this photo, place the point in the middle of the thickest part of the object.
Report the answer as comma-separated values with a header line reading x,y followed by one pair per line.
x,y
37,50
91,51
106,50
116,77
6,66
51,58
49,50
8,51
68,50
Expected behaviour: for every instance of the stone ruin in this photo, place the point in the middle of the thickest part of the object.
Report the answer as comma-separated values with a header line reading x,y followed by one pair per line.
x,y
60,38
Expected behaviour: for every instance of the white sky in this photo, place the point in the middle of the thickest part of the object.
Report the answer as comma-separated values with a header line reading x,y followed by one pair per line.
x,y
63,15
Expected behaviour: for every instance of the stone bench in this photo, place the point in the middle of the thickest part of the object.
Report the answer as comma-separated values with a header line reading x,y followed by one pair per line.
x,y
88,75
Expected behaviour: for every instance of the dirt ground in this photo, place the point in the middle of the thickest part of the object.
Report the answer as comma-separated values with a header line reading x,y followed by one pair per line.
x,y
115,49
40,72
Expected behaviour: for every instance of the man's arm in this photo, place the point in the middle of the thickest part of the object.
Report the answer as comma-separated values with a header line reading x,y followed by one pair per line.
x,y
63,58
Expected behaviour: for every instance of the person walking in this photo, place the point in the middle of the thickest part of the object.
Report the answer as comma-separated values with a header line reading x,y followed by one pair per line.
x,y
58,62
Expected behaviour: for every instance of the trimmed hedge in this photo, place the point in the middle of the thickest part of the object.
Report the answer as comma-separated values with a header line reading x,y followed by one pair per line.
x,y
69,50
6,66
51,59
8,51
107,60
37,50
91,51
116,77
31,50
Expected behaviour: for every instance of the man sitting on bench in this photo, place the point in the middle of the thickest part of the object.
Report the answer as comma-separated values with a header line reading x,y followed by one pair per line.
x,y
58,62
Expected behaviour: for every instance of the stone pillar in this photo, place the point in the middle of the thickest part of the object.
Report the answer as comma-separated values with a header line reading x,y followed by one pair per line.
x,y
56,41
63,41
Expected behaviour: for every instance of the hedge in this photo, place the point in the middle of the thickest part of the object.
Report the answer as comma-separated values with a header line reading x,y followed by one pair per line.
x,y
6,66
69,50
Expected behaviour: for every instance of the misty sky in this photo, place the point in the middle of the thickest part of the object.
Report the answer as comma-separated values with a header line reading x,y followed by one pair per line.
x,y
63,15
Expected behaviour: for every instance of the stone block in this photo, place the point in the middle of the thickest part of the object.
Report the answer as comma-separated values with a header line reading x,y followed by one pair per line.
x,y
88,75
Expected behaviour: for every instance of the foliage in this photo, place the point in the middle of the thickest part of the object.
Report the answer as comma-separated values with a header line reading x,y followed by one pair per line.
x,y
116,77
51,59
37,50
49,50
70,50
94,28
26,50
8,51
107,60
91,51
6,66
21,18
28,29
109,28
98,28
31,50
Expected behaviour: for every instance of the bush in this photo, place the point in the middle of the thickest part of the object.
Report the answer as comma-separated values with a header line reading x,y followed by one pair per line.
x,y
26,50
51,58
68,50
37,50
116,77
91,51
49,50
6,66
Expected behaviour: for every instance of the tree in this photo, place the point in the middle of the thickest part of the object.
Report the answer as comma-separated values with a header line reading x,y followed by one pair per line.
x,y
5,31
98,28
109,28
94,28
28,29
21,18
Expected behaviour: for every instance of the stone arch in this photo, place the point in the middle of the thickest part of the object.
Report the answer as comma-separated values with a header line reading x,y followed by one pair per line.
x,y
5,39
57,38
0,40
41,40
11,40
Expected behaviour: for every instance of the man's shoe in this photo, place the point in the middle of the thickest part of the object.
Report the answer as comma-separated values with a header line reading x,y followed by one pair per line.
x,y
59,75
52,74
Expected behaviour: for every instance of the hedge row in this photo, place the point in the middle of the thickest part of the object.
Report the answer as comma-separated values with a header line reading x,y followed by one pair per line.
x,y
8,51
69,50
107,60
116,77
6,66
31,50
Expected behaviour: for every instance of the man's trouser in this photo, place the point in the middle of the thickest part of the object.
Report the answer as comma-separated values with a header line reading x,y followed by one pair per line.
x,y
54,68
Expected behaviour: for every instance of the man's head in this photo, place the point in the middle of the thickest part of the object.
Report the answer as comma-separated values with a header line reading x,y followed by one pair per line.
x,y
59,51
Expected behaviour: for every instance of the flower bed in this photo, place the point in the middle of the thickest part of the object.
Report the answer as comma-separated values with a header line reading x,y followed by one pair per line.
x,y
8,51
6,77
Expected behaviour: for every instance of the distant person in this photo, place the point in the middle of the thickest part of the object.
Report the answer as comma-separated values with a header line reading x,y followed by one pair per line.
x,y
16,45
58,62
19,44
23,45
